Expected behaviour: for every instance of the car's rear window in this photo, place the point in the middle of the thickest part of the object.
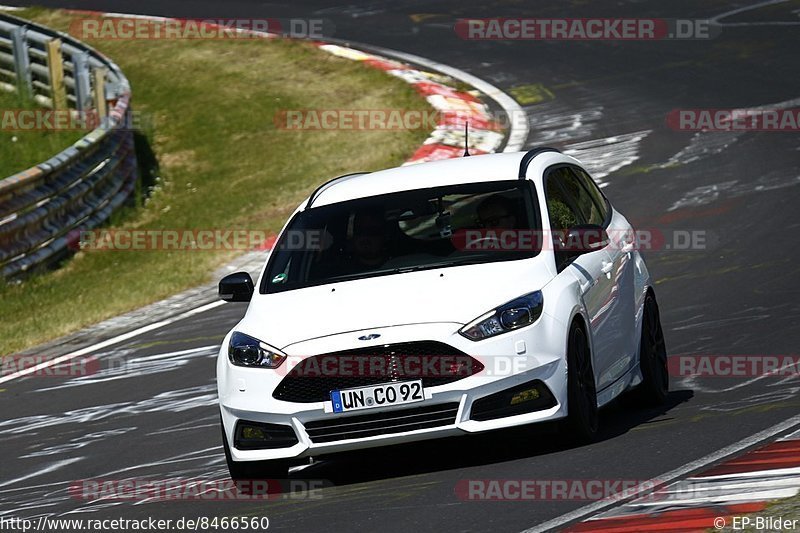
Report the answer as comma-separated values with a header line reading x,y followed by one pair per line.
x,y
403,231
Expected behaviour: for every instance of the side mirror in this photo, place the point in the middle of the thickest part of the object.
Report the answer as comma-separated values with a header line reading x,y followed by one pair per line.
x,y
583,239
236,287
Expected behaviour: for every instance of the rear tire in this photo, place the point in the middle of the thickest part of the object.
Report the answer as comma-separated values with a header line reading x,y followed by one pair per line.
x,y
653,356
244,473
583,420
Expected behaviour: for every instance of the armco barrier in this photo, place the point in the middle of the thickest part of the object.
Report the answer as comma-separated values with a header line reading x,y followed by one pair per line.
x,y
42,207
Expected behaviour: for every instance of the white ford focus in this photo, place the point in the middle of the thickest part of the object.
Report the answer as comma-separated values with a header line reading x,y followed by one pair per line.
x,y
433,300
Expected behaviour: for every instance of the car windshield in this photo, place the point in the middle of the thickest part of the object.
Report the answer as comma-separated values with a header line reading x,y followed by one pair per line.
x,y
404,231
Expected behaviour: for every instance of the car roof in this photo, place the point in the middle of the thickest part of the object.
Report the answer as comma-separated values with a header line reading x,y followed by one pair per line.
x,y
473,169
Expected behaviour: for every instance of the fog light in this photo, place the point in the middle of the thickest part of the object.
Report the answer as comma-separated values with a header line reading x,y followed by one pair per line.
x,y
261,436
253,433
525,396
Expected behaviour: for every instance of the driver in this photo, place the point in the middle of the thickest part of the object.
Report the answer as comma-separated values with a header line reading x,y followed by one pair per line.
x,y
368,242
497,212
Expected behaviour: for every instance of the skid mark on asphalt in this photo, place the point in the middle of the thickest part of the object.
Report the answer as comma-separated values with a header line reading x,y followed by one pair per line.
x,y
204,465
757,402
701,146
117,365
707,194
720,322
192,424
608,154
46,470
575,122
556,122
685,214
206,457
177,401
711,143
623,78
773,380
79,442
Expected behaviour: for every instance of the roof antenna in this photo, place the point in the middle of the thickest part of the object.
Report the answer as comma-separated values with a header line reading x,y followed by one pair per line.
x,y
466,139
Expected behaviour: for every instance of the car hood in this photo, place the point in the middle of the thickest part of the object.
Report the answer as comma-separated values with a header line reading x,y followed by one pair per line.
x,y
454,294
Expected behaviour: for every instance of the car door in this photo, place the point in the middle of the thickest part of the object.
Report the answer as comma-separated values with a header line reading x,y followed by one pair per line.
x,y
567,207
623,342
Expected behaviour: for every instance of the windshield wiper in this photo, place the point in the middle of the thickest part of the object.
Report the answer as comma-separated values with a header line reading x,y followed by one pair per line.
x,y
402,270
440,264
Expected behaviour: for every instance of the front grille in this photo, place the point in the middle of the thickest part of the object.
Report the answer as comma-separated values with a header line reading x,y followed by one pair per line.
x,y
435,363
340,427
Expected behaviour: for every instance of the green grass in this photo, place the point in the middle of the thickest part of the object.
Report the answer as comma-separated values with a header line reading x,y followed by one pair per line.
x,y
20,150
209,106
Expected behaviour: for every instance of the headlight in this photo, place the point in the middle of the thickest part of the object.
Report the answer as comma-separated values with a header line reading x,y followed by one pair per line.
x,y
245,350
515,314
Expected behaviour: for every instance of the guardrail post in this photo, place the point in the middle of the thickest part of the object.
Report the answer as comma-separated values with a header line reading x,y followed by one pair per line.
x,y
55,66
99,82
83,93
19,46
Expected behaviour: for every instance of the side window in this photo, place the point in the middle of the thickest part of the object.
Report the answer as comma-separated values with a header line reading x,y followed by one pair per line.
x,y
579,196
597,197
560,206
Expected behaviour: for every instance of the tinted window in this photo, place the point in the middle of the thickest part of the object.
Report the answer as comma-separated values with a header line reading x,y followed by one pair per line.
x,y
597,197
576,195
561,207
391,233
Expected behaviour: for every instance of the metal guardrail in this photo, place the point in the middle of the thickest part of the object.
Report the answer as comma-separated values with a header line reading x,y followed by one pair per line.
x,y
43,208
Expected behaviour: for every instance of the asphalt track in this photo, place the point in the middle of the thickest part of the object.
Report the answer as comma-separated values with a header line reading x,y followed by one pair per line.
x,y
607,101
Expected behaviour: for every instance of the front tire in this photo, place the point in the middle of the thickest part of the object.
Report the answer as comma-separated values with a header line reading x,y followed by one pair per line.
x,y
583,419
653,356
244,473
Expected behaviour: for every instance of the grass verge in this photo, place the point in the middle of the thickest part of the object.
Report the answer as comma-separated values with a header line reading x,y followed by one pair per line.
x,y
20,150
221,163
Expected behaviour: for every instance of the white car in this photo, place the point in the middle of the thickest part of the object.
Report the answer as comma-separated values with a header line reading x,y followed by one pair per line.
x,y
433,300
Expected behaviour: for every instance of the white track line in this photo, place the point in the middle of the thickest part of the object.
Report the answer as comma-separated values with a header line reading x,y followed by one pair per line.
x,y
716,20
664,479
110,342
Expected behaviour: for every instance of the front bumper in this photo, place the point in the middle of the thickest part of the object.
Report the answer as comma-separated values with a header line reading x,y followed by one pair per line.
x,y
531,354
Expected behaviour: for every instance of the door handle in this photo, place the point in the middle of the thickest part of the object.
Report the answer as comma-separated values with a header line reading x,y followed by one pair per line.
x,y
606,268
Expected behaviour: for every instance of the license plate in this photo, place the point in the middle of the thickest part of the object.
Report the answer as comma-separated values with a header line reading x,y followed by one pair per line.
x,y
377,396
